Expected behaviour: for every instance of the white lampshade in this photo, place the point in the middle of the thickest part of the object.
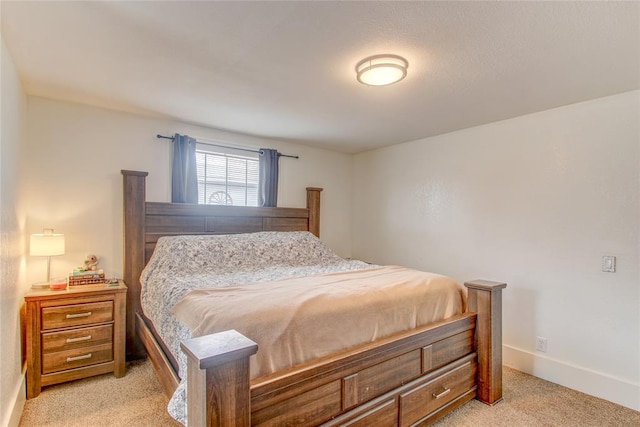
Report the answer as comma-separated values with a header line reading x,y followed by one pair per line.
x,y
381,70
46,244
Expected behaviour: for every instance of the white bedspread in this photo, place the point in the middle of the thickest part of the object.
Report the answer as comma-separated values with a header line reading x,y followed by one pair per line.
x,y
300,319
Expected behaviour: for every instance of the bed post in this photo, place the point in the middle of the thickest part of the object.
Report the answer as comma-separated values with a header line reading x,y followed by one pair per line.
x,y
313,204
134,260
218,379
485,299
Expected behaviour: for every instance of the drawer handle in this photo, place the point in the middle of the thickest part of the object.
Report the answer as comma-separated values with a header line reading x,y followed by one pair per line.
x,y
72,340
444,392
75,316
84,356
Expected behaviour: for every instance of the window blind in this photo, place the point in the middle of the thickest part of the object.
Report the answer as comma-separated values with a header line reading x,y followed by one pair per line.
x,y
227,179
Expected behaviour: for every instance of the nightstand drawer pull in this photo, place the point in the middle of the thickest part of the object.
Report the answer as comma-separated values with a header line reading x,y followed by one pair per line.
x,y
72,340
75,316
84,356
444,392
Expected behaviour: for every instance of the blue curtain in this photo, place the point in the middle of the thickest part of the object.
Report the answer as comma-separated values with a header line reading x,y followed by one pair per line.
x,y
184,179
268,187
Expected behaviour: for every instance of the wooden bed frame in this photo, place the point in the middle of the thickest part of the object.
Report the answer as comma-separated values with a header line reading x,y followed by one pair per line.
x,y
412,378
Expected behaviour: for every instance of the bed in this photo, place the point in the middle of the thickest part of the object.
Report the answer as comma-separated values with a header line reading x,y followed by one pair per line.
x,y
410,377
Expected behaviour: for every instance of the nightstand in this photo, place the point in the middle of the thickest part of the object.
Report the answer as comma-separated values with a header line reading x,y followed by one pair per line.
x,y
74,333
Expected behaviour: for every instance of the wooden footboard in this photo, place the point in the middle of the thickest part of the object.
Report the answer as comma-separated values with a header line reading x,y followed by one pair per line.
x,y
411,378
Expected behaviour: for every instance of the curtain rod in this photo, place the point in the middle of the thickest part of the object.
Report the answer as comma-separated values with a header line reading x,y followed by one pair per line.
x,y
227,146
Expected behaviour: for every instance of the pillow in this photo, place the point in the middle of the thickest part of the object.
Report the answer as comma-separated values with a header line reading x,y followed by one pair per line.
x,y
222,254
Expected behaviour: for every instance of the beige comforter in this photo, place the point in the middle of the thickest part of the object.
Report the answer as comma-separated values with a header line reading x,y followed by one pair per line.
x,y
299,319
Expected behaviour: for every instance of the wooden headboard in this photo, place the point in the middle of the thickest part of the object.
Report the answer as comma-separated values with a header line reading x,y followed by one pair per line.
x,y
145,222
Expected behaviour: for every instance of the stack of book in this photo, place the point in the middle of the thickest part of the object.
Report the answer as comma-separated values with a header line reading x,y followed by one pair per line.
x,y
86,277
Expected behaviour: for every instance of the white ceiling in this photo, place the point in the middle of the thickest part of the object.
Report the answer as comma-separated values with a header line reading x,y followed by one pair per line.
x,y
285,70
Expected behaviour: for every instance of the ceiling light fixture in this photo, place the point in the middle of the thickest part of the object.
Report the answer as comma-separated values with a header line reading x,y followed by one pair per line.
x,y
382,70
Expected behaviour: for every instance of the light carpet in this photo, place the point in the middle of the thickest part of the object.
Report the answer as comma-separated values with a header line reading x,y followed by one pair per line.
x,y
137,400
532,402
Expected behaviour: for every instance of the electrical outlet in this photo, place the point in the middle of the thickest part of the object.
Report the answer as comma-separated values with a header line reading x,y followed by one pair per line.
x,y
541,344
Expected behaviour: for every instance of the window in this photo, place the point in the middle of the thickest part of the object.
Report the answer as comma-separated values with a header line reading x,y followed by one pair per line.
x,y
227,179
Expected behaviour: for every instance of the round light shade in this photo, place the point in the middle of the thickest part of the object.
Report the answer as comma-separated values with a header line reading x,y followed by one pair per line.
x,y
382,70
46,244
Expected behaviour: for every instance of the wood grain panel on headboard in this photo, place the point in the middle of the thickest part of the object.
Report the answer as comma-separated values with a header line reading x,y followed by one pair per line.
x,y
170,219
145,222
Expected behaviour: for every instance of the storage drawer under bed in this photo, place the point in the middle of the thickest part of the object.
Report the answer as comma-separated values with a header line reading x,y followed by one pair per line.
x,y
369,383
428,397
419,401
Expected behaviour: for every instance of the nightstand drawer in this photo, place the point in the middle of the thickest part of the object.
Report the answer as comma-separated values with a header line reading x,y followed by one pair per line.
x,y
62,360
75,315
76,338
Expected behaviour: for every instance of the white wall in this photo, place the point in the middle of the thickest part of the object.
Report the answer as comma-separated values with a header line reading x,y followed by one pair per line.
x,y
75,186
13,113
535,201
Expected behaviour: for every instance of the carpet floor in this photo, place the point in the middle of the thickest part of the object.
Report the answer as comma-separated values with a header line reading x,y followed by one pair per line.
x,y
137,400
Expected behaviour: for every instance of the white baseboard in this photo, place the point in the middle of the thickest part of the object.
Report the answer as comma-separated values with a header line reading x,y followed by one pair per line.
x,y
12,418
588,381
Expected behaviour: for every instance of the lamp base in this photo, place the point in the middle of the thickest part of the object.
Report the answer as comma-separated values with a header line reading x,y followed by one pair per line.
x,y
55,285
40,285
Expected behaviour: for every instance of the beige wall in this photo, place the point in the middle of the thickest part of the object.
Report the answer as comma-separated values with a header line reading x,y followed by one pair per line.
x,y
13,113
75,187
535,201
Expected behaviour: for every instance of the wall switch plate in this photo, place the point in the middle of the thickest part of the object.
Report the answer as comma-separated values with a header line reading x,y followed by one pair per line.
x,y
541,344
609,264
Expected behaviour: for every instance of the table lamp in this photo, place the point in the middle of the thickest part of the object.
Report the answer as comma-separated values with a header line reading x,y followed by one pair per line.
x,y
46,244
